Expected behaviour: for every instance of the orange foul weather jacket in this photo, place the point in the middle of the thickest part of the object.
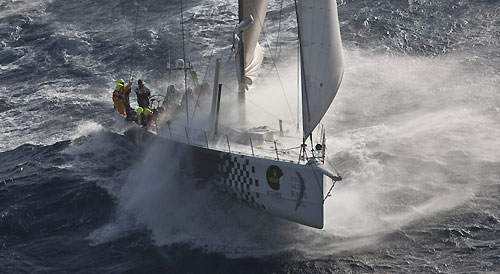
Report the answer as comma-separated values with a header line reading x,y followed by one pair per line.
x,y
120,98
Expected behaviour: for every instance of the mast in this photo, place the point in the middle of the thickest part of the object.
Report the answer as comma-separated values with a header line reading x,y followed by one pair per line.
x,y
241,62
214,113
251,15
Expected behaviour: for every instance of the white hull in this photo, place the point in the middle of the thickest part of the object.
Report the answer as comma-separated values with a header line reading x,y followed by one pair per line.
x,y
288,190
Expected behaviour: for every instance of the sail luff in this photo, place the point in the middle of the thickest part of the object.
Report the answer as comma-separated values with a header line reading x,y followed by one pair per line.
x,y
303,87
321,57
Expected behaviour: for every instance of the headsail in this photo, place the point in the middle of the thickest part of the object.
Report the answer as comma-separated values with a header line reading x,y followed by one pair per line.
x,y
252,51
321,58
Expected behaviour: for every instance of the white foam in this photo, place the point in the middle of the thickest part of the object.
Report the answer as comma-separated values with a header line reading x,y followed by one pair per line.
x,y
394,160
85,129
404,146
20,6
119,227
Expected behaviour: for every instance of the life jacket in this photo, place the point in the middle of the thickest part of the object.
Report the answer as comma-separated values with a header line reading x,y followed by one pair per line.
x,y
139,111
149,115
144,116
141,119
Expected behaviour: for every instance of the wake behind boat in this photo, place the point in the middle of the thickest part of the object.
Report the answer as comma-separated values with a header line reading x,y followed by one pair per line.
x,y
291,189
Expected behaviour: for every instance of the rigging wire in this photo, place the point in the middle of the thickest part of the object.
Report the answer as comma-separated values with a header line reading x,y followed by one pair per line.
x,y
133,65
206,73
253,103
146,21
278,40
185,72
332,166
175,128
298,86
329,191
143,37
274,65
261,21
132,56
197,105
212,54
305,100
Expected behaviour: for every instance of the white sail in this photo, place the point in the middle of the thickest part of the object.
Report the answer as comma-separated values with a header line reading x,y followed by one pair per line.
x,y
253,52
321,57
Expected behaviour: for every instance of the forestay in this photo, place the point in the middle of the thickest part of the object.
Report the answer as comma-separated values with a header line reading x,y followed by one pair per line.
x,y
321,57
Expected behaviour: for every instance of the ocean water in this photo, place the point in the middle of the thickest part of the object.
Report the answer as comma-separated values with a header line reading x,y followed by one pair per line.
x,y
414,131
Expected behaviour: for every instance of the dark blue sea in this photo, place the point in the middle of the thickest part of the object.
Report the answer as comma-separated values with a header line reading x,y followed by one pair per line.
x,y
414,131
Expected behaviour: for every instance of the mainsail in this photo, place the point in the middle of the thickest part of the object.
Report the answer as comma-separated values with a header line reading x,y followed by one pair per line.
x,y
321,58
252,51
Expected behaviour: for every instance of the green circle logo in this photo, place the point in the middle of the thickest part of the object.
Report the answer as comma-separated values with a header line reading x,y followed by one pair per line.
x,y
273,175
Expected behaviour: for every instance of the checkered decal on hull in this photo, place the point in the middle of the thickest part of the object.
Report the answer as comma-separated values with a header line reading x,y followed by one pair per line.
x,y
238,178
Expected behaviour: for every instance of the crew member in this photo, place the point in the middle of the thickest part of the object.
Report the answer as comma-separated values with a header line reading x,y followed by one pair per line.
x,y
140,116
172,97
121,97
144,116
143,95
149,116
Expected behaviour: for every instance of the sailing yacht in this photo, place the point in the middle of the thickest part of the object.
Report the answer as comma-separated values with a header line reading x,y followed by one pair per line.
x,y
294,191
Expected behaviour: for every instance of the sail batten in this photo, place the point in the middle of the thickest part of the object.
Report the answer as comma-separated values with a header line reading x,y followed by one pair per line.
x,y
321,58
